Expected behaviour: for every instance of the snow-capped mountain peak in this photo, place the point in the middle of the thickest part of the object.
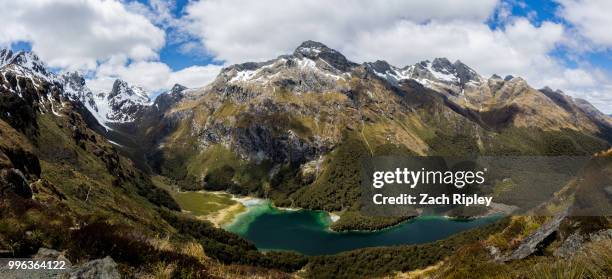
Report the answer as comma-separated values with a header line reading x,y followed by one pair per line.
x,y
177,89
75,88
389,72
119,105
312,67
122,103
439,74
25,62
123,91
312,48
315,50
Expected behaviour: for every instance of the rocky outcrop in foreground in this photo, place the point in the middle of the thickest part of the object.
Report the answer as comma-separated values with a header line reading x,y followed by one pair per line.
x,y
105,268
531,243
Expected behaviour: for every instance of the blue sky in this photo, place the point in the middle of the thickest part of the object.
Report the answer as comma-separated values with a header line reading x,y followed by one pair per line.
x,y
564,44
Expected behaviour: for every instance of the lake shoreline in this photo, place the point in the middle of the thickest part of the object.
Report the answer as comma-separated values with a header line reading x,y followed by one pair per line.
x,y
335,216
307,231
227,215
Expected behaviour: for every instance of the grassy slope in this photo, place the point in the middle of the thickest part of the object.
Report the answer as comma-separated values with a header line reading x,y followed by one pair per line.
x,y
91,202
83,174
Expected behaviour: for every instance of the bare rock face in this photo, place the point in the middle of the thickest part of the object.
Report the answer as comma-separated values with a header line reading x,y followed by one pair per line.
x,y
315,50
530,244
260,143
97,269
167,99
13,181
45,254
575,242
125,101
570,246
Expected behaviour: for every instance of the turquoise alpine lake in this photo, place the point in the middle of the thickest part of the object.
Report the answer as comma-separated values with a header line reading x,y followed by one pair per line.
x,y
307,231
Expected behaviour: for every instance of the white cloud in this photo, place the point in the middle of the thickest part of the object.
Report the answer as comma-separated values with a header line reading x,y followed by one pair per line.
x,y
239,30
153,76
101,84
195,76
77,34
591,18
160,13
107,38
511,51
401,32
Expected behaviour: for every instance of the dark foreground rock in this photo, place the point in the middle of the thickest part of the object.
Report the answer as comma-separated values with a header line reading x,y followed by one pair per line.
x,y
97,269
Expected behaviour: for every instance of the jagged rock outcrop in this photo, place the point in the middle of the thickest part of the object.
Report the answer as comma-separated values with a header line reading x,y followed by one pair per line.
x,y
575,242
45,254
530,244
313,67
167,99
25,62
105,268
122,103
13,181
315,50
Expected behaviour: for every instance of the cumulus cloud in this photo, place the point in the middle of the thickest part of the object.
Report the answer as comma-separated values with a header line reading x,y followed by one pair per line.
x,y
509,51
591,18
401,32
78,34
107,39
259,30
195,76
153,76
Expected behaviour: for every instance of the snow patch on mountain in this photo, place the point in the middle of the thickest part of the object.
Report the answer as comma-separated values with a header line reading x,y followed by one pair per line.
x,y
430,74
122,103
442,74
26,64
311,59
117,106
266,72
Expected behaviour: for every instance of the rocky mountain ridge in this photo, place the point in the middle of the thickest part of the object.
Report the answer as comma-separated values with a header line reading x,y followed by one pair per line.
x,y
293,128
298,110
65,186
313,67
122,104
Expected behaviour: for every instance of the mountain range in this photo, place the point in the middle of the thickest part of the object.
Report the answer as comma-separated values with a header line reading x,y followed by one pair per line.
x,y
298,116
291,129
302,116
